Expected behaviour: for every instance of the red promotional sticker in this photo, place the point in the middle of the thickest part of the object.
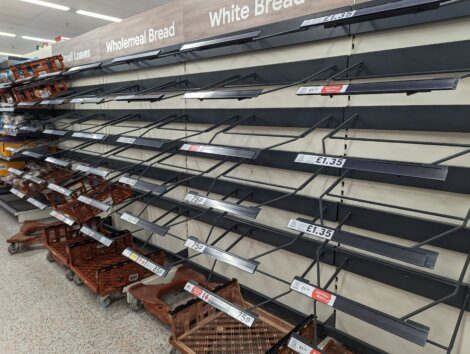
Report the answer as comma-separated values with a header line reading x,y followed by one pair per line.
x,y
322,296
196,292
194,148
332,89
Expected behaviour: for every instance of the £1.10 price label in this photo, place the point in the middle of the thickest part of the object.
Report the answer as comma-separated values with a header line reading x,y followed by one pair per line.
x,y
313,292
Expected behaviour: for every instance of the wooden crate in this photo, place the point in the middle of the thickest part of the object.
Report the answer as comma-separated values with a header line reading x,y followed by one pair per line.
x,y
198,328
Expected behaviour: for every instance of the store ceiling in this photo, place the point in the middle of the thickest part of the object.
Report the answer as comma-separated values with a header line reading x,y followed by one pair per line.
x,y
25,19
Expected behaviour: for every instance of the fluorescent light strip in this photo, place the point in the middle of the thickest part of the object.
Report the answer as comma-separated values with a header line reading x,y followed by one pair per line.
x,y
36,39
48,4
12,54
100,16
6,34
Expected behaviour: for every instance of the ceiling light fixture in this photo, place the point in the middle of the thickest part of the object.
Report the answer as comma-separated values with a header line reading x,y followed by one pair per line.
x,y
12,54
94,14
6,34
42,40
48,4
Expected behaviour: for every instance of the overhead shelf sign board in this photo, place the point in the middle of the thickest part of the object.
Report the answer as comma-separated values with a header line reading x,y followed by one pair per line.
x,y
195,23
372,13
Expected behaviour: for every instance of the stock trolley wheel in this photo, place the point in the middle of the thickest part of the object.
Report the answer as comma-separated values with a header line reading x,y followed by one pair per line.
x,y
77,280
104,301
136,305
14,248
69,274
49,257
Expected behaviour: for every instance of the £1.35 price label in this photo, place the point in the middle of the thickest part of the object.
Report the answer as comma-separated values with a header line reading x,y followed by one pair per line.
x,y
314,230
300,347
320,160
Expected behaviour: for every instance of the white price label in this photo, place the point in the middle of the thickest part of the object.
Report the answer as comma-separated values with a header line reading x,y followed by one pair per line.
x,y
221,305
88,136
130,218
37,203
329,18
314,230
320,160
144,262
126,140
300,347
82,168
191,147
197,246
59,189
17,193
128,181
15,171
313,292
195,199
96,236
65,219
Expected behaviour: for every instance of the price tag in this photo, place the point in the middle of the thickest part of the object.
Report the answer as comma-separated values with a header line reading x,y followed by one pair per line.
x,y
36,203
55,132
94,203
58,162
300,347
191,147
303,287
96,236
89,136
91,170
17,193
320,160
128,181
65,219
31,154
195,199
240,315
15,171
30,129
130,218
126,140
145,262
197,246
33,179
329,18
314,230
10,126
60,189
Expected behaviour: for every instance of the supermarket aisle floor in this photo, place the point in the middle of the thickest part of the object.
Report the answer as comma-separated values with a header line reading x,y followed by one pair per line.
x,y
42,312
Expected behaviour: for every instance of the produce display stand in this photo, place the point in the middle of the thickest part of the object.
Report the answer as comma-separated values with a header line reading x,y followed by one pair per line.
x,y
198,328
150,295
104,270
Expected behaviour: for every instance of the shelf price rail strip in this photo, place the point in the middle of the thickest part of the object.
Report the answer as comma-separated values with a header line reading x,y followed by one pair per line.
x,y
253,93
408,330
351,121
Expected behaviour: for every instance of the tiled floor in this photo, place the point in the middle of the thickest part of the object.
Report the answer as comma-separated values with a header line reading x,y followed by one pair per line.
x,y
42,312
